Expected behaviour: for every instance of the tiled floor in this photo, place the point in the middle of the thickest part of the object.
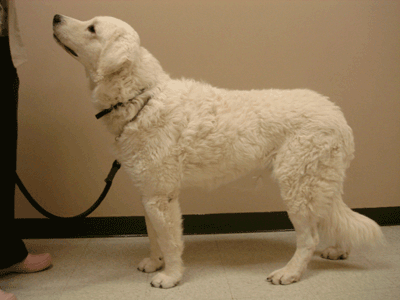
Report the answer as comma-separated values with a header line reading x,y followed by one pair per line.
x,y
219,267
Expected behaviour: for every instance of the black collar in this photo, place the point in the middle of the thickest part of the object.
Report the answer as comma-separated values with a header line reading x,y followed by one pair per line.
x,y
108,110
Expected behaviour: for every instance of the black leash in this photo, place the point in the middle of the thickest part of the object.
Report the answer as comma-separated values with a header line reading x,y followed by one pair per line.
x,y
114,169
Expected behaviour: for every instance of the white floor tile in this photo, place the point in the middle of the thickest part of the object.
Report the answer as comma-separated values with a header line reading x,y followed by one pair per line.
x,y
386,294
218,267
27,294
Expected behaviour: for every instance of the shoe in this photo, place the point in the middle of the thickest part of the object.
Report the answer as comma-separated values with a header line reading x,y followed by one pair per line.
x,y
32,263
7,296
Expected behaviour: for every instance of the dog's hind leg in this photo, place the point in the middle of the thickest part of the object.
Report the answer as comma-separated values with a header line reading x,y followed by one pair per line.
x,y
335,252
165,216
307,240
156,260
298,170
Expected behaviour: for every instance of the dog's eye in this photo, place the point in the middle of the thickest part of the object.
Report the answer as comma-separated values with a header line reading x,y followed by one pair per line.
x,y
91,29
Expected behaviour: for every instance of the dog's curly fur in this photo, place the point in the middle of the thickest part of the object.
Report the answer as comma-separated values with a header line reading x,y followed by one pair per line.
x,y
191,133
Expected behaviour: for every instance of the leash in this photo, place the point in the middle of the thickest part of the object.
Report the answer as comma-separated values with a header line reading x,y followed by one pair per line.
x,y
114,169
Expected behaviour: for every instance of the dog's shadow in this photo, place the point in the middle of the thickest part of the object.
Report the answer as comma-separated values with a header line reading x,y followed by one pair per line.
x,y
269,253
237,253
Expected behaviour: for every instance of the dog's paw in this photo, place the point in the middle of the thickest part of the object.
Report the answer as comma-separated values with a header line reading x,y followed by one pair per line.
x,y
149,265
284,276
164,281
334,253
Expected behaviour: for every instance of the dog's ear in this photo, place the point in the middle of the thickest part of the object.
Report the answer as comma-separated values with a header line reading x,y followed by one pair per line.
x,y
118,52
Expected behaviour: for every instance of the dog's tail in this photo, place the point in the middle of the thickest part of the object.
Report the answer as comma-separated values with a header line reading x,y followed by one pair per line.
x,y
350,229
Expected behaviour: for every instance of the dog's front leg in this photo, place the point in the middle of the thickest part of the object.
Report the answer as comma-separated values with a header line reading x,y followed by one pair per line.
x,y
165,217
156,260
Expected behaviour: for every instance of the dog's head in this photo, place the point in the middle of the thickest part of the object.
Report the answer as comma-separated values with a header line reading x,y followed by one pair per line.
x,y
103,45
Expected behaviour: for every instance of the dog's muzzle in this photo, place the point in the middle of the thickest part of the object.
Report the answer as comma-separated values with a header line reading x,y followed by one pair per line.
x,y
57,20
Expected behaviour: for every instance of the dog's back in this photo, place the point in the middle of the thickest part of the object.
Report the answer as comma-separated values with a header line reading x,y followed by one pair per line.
x,y
224,134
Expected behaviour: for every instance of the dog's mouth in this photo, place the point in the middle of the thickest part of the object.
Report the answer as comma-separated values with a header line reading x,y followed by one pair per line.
x,y
68,49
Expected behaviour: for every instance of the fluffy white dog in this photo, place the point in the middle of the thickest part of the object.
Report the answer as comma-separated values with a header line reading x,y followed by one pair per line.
x,y
174,133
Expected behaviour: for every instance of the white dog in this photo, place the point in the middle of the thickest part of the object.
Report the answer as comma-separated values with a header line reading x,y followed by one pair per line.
x,y
174,133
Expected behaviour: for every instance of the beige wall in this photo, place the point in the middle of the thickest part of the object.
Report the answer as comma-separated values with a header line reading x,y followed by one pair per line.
x,y
348,50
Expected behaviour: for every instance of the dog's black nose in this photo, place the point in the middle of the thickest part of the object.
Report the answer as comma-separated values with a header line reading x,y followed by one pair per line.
x,y
57,19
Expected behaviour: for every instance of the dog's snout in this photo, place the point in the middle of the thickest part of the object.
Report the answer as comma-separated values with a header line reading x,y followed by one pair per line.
x,y
57,19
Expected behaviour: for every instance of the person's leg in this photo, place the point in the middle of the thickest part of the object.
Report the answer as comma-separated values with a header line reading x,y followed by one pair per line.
x,y
12,251
12,248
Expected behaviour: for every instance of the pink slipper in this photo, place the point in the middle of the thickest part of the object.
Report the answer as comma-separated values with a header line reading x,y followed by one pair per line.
x,y
7,296
32,263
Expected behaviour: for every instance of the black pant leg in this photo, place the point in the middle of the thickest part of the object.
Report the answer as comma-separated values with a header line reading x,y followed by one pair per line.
x,y
12,248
